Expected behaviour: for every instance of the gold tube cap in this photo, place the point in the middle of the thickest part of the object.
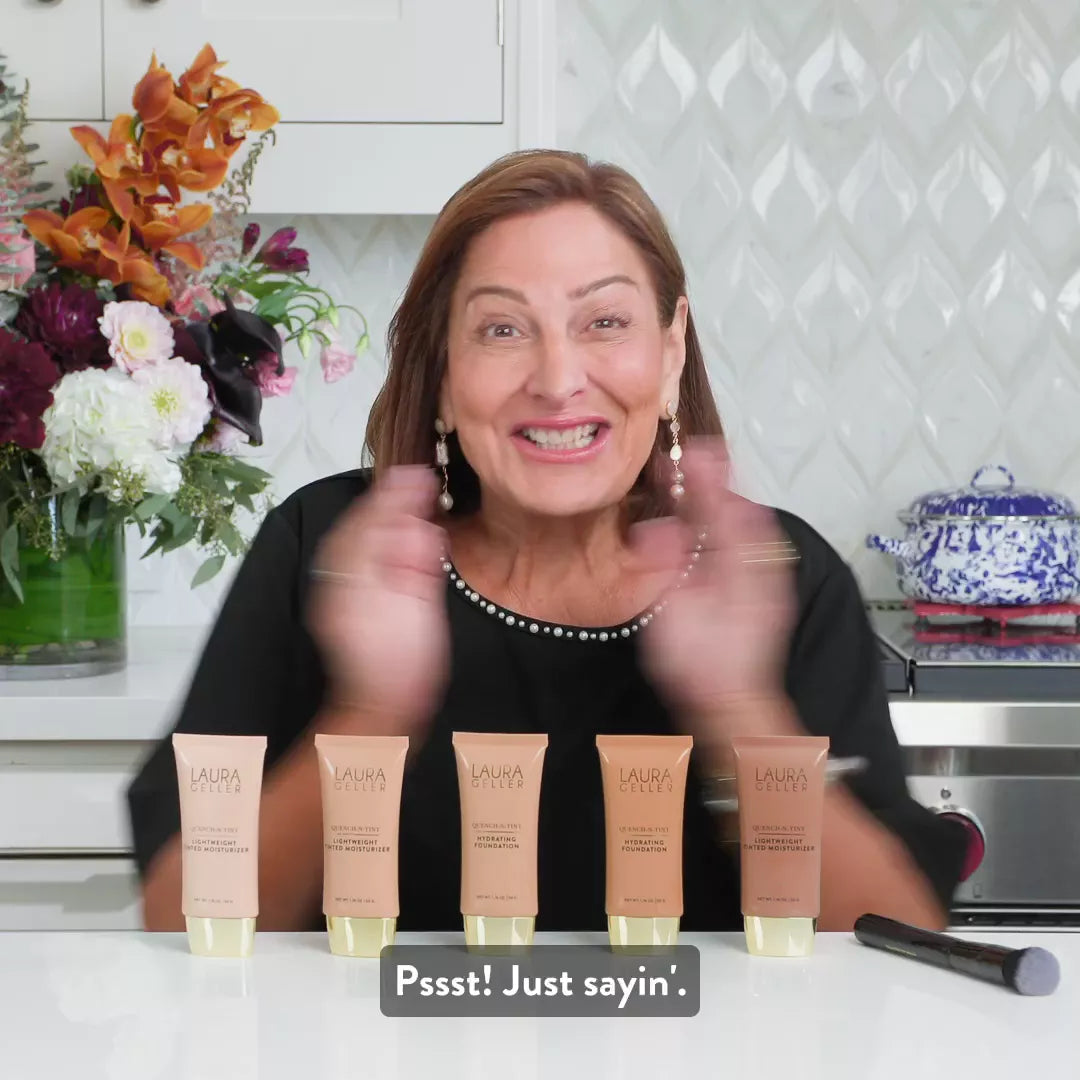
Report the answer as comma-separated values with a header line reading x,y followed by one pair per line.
x,y
629,932
499,931
220,937
779,937
354,936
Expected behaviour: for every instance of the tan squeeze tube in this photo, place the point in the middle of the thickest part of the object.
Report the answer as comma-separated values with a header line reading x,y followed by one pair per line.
x,y
499,784
360,779
220,781
781,786
644,782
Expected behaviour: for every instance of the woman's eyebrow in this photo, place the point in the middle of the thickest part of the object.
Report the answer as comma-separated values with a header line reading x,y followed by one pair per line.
x,y
496,290
601,283
583,290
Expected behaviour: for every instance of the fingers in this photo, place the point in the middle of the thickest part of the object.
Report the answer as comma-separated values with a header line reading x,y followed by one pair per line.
x,y
405,558
707,470
386,538
739,535
408,490
659,545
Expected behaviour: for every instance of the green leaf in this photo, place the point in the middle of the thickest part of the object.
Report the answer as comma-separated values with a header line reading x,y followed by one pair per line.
x,y
172,514
183,535
241,470
244,499
208,569
150,506
69,511
230,537
95,515
275,305
9,559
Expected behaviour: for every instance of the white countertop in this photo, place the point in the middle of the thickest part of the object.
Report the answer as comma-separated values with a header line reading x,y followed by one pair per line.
x,y
133,1006
136,703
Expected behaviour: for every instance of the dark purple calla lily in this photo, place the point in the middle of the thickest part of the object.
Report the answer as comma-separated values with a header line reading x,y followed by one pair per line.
x,y
226,347
251,238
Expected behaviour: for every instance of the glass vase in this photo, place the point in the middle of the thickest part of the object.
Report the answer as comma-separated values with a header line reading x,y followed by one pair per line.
x,y
72,619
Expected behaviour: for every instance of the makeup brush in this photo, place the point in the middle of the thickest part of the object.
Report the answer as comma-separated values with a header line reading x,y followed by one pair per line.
x,y
1031,971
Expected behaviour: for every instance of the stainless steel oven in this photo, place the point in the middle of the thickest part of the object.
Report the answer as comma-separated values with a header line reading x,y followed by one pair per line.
x,y
990,726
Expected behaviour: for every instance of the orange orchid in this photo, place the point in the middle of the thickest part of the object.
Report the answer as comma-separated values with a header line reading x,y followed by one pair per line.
x,y
88,243
76,241
159,222
157,104
121,163
194,168
228,119
201,83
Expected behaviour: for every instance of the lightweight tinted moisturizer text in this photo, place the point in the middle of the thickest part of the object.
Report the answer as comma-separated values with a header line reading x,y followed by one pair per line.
x,y
361,779
781,786
220,782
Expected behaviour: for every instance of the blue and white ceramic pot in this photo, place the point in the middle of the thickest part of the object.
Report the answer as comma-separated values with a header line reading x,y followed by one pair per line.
x,y
991,543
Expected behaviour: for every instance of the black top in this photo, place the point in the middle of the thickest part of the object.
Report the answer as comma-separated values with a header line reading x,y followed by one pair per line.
x,y
260,673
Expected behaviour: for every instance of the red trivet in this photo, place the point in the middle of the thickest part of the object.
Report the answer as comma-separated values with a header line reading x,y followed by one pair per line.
x,y
1000,615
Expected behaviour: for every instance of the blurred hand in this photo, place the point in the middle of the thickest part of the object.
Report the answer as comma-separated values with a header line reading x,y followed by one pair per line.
x,y
721,640
377,607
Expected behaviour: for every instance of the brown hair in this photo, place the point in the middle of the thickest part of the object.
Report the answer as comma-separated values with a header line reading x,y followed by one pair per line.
x,y
401,427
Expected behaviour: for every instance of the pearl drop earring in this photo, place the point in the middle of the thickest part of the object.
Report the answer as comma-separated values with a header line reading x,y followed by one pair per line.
x,y
442,459
675,453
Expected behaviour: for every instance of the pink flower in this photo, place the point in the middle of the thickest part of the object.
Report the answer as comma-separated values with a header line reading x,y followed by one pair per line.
x,y
17,265
224,438
197,301
336,361
270,382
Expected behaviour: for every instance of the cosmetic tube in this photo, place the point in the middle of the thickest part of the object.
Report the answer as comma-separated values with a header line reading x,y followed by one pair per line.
x,y
220,781
360,779
644,782
781,786
499,785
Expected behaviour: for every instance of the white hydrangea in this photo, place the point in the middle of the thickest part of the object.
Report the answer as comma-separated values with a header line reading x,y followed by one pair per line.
x,y
180,400
102,420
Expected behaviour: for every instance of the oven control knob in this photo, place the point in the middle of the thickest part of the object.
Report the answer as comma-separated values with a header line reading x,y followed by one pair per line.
x,y
976,846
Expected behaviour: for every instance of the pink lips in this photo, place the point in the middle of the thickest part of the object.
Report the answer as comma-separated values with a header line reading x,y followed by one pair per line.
x,y
558,455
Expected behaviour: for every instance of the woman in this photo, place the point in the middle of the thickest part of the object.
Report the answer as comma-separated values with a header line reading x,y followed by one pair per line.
x,y
563,570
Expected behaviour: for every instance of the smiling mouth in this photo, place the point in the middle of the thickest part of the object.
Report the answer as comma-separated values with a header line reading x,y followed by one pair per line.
x,y
573,438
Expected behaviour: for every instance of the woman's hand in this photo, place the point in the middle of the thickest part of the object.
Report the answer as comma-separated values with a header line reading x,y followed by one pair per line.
x,y
377,608
718,647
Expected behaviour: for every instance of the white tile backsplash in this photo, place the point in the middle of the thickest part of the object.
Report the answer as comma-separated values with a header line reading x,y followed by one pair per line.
x,y
879,206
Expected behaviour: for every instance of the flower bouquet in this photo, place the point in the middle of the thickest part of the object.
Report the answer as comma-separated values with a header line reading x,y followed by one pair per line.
x,y
140,331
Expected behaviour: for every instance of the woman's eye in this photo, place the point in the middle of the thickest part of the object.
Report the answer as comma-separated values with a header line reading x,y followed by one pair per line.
x,y
500,330
608,322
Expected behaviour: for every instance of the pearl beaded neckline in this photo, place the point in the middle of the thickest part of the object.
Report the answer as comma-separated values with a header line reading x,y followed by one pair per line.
x,y
562,631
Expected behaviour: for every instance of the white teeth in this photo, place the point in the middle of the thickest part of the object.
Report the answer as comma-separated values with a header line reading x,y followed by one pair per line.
x,y
575,438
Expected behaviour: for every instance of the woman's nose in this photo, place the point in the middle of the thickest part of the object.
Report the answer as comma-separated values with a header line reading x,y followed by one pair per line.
x,y
558,372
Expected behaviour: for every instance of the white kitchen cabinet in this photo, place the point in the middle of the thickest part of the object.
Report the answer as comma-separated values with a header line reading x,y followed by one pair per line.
x,y
325,61
69,894
387,106
56,44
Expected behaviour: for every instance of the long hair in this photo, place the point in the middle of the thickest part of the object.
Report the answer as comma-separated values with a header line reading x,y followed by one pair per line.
x,y
401,427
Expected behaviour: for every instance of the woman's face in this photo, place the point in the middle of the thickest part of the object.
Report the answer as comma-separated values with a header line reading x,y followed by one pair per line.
x,y
558,368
